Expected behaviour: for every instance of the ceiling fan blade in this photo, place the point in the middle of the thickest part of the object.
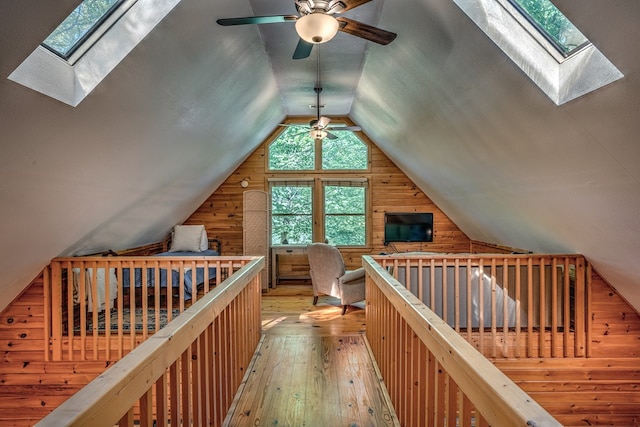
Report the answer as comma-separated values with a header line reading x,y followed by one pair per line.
x,y
323,122
257,20
344,128
350,4
303,49
331,136
367,32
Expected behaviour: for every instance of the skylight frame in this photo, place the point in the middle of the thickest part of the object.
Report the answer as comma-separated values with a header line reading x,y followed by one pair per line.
x,y
72,81
548,37
100,26
561,79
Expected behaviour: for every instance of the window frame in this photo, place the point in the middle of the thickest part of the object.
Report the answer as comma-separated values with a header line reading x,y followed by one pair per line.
x,y
537,30
561,79
346,182
321,176
291,182
99,27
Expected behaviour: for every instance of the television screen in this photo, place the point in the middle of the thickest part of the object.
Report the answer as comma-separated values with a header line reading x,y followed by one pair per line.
x,y
408,227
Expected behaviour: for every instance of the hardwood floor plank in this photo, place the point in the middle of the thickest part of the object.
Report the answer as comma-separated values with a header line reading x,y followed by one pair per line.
x,y
313,367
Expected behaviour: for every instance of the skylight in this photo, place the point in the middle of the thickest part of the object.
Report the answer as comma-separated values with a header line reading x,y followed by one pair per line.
x,y
548,48
79,25
552,24
88,45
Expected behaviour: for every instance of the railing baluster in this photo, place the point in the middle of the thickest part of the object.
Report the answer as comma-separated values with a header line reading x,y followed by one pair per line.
x,y
514,305
455,385
469,301
554,307
542,284
530,307
494,314
456,292
69,332
566,315
518,305
505,308
481,305
580,309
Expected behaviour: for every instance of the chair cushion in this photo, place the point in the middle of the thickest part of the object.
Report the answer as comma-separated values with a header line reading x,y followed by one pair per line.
x,y
350,276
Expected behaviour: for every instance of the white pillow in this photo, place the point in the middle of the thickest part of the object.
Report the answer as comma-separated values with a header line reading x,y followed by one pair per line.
x,y
204,241
189,238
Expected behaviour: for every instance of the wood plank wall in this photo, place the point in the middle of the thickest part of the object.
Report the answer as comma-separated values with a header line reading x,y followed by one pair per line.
x,y
615,324
478,247
390,188
31,387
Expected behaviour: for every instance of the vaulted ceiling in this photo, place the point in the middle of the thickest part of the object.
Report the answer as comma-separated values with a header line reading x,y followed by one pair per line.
x,y
193,99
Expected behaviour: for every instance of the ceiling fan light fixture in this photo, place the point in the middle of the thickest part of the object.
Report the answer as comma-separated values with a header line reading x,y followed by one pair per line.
x,y
317,27
318,133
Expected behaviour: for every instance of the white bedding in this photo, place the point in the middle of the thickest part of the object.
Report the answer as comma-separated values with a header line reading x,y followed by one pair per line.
x,y
101,282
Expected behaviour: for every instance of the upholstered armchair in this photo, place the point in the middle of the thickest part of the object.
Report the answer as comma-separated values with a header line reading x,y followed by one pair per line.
x,y
328,276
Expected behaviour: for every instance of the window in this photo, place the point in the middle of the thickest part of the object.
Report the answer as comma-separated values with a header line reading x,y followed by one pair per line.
x,y
330,201
552,24
78,26
85,54
345,213
347,152
540,40
293,150
291,212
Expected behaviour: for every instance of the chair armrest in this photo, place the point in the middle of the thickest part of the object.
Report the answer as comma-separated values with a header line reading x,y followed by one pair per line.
x,y
352,276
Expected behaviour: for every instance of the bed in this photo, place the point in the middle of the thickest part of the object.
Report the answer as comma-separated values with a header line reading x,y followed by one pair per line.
x,y
190,282
504,304
184,241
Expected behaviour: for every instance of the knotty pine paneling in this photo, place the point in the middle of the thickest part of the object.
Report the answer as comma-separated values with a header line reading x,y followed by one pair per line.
x,y
31,386
478,247
390,190
615,324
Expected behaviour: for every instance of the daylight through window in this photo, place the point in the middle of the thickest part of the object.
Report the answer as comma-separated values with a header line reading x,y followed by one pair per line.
x,y
79,25
329,201
552,24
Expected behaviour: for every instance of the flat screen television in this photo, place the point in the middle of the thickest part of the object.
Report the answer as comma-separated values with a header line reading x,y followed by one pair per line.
x,y
408,227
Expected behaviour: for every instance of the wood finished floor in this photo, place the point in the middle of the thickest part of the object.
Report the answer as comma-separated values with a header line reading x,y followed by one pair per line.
x,y
312,368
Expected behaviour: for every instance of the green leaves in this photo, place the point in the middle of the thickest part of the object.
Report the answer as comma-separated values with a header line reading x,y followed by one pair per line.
x,y
78,25
293,150
343,210
552,23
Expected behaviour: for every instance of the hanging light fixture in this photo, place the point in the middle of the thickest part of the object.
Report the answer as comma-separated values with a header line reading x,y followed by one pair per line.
x,y
317,27
318,133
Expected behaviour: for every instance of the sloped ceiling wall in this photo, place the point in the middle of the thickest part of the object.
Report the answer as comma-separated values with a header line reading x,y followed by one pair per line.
x,y
140,153
505,163
177,116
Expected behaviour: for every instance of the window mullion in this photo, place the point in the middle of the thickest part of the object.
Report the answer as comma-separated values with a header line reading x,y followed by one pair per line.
x,y
318,212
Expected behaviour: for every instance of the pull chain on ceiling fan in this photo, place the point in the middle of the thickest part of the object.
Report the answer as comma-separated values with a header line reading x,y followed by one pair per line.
x,y
319,127
315,24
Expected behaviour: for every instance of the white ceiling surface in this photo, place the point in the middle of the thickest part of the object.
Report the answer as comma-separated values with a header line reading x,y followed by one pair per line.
x,y
185,108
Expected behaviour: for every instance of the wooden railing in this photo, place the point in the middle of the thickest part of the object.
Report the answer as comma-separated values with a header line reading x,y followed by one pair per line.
x,y
505,305
100,308
185,374
434,376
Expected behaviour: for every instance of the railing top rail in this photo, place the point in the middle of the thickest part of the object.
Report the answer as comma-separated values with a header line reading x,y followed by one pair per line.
x,y
153,258
129,378
499,400
429,255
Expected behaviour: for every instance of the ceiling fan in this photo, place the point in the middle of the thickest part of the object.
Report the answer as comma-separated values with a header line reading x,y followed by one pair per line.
x,y
316,24
319,127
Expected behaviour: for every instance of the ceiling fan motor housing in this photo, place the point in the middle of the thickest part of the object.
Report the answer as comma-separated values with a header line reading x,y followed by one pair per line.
x,y
306,7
